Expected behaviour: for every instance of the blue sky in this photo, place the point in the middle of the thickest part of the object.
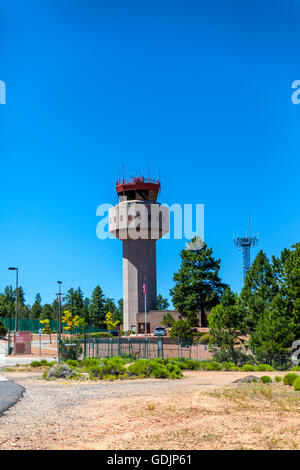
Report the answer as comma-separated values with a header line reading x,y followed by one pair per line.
x,y
199,91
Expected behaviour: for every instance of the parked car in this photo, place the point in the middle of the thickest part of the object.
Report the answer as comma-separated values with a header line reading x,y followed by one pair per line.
x,y
114,332
160,331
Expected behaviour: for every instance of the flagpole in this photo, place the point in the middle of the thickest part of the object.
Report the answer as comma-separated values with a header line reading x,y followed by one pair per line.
x,y
145,291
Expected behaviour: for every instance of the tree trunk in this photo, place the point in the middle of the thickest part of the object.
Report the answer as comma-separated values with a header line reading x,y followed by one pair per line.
x,y
203,319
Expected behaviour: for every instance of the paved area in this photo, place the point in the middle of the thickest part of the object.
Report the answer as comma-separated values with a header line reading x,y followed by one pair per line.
x,y
10,393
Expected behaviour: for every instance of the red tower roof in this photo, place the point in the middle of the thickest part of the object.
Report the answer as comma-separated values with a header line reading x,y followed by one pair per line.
x,y
138,184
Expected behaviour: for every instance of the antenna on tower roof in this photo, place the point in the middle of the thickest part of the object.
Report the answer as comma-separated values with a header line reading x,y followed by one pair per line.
x,y
244,244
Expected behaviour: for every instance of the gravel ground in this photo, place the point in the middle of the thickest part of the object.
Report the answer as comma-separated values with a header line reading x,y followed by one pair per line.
x,y
116,415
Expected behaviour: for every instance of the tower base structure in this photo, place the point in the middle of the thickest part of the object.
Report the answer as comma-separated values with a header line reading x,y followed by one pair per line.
x,y
139,264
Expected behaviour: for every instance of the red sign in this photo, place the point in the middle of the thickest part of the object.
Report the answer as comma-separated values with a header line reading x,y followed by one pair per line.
x,y
22,336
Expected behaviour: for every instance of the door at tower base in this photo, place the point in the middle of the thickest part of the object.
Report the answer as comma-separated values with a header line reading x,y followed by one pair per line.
x,y
141,328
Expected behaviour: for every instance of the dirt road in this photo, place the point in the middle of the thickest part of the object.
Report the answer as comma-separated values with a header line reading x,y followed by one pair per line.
x,y
204,410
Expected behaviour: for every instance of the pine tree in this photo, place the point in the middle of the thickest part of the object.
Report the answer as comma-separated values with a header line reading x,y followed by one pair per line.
x,y
260,287
277,323
162,303
198,286
96,308
47,312
227,325
36,309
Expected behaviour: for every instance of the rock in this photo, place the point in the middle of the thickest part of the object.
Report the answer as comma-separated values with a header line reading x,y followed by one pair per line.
x,y
247,380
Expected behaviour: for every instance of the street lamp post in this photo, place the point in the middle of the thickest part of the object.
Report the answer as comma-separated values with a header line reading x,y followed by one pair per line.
x,y
59,321
17,275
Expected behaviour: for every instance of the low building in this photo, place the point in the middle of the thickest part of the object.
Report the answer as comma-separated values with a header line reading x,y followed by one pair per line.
x,y
155,319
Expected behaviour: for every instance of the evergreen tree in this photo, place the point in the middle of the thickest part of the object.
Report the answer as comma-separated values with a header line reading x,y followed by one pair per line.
x,y
168,320
36,309
75,302
278,325
8,303
119,312
162,303
48,313
23,310
96,308
259,289
227,325
198,286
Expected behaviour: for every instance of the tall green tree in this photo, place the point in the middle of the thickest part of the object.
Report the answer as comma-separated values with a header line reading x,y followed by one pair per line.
x,y
198,287
8,303
289,283
227,325
162,303
23,309
74,302
119,312
47,313
279,323
36,309
260,287
96,308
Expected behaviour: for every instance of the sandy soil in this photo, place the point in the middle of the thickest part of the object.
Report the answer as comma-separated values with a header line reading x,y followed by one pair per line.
x,y
204,410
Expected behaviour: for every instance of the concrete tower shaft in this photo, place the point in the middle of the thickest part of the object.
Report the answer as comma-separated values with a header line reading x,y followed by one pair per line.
x,y
138,221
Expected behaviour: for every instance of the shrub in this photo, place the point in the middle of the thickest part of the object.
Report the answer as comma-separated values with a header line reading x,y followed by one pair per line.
x,y
204,339
96,372
210,365
35,364
247,368
141,368
266,379
154,368
45,363
60,371
290,378
101,334
72,363
278,378
159,372
113,365
264,368
174,371
182,330
168,320
229,366
295,368
3,329
88,362
296,384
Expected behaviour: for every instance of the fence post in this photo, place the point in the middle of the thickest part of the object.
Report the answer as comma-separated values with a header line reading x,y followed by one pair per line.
x,y
129,346
8,343
84,345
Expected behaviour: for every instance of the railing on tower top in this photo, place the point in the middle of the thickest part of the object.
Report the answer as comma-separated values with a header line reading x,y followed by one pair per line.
x,y
137,179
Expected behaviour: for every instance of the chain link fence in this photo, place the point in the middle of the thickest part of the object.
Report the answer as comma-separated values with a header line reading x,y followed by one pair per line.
x,y
138,348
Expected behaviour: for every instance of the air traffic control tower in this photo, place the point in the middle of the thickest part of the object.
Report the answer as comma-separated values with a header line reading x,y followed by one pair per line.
x,y
138,220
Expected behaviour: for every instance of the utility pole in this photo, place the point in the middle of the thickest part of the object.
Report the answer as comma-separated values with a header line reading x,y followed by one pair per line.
x,y
59,321
17,288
